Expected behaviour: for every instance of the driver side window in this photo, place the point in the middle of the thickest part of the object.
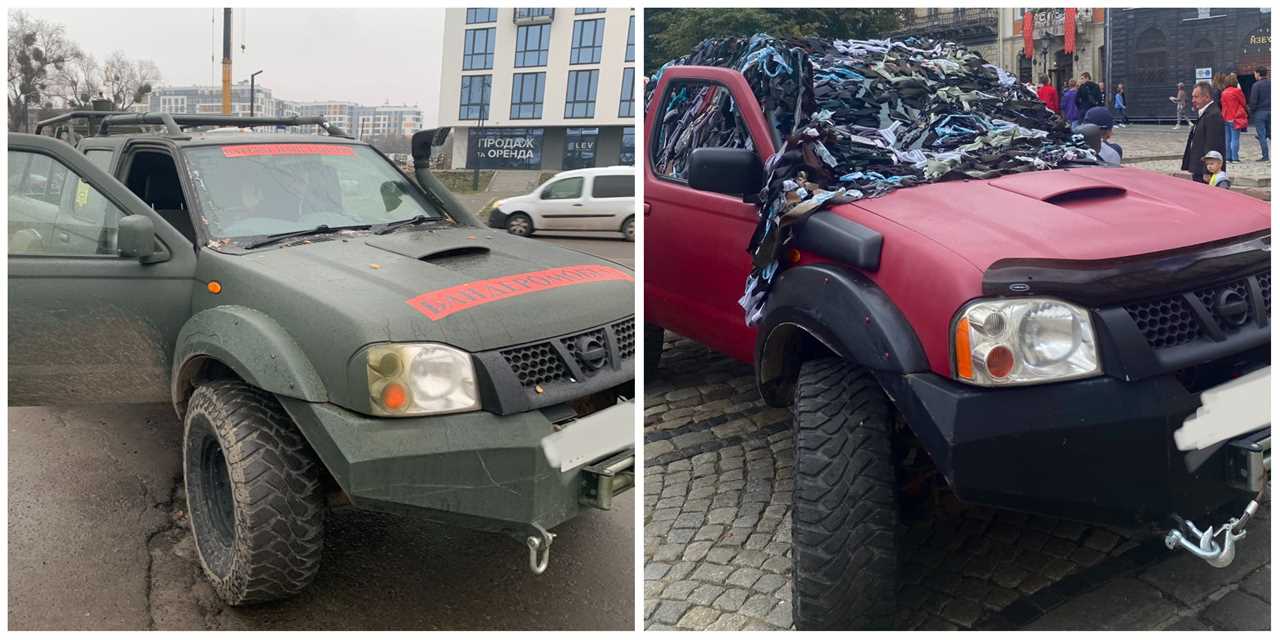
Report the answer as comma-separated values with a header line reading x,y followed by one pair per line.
x,y
694,114
52,211
566,189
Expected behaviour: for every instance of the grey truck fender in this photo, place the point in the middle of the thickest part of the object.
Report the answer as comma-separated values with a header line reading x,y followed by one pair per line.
x,y
249,343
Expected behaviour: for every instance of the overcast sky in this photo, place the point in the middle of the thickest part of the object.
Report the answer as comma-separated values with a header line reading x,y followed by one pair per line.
x,y
370,56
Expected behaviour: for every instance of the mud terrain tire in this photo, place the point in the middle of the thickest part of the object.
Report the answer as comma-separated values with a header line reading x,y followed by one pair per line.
x,y
253,492
844,509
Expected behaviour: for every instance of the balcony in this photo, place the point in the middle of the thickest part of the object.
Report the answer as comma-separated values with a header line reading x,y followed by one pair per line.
x,y
960,25
537,15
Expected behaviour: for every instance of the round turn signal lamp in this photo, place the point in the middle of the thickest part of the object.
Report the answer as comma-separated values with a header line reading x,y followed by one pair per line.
x,y
394,396
215,287
1000,362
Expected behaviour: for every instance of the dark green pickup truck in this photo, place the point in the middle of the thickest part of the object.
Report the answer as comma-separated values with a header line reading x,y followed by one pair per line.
x,y
330,333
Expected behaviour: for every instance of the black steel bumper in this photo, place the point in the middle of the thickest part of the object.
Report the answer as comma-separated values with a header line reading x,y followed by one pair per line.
x,y
1098,450
475,470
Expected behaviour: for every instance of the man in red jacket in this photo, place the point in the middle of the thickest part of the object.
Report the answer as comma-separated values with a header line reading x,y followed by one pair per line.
x,y
1048,95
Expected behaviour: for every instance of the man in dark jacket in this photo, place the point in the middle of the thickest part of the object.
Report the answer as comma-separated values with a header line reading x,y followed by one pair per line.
x,y
1089,95
1260,110
1206,134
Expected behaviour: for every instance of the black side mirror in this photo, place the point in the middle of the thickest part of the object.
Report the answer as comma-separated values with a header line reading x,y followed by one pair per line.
x,y
136,237
735,172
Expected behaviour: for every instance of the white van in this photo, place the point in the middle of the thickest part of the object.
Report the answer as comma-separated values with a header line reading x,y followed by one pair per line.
x,y
597,199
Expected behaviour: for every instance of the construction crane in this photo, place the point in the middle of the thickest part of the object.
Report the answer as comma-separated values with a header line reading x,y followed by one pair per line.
x,y
226,62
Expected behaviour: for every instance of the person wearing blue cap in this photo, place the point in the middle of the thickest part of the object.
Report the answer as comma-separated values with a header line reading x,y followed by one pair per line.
x,y
1110,153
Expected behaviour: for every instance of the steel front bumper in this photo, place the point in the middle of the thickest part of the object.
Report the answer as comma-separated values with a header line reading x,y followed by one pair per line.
x,y
1098,450
475,470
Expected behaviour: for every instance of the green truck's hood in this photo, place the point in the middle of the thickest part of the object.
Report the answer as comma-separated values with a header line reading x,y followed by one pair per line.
x,y
337,295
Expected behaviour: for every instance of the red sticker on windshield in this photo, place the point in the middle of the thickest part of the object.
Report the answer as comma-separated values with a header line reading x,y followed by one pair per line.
x,y
291,149
446,302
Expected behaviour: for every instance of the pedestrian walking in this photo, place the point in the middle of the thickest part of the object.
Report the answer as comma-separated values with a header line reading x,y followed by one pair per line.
x,y
1119,104
1088,94
1179,100
1110,152
1260,110
1069,109
1048,95
1206,133
1215,174
1235,116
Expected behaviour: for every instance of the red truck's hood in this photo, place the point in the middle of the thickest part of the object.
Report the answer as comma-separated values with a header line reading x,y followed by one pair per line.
x,y
1079,214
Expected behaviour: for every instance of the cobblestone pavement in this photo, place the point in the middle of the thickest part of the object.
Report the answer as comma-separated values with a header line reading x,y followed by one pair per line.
x,y
718,482
1159,148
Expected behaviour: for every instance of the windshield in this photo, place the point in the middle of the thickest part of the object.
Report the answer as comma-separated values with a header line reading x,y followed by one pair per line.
x,y
262,189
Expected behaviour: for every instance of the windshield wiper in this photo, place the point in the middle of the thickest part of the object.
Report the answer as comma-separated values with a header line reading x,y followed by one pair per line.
x,y
324,228
388,227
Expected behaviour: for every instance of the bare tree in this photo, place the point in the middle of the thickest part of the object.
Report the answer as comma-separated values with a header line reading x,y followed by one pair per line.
x,y
79,82
126,82
38,51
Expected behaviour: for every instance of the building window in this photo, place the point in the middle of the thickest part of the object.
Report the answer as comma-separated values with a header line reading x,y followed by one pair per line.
x,y
1151,57
580,148
474,101
538,12
627,153
174,104
588,41
582,11
580,99
526,95
631,40
477,49
627,104
481,16
532,43
1203,54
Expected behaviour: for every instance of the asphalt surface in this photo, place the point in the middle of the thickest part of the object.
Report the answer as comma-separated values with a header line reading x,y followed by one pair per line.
x,y
98,539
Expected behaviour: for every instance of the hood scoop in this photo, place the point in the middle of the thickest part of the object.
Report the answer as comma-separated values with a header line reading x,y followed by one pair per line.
x,y
1058,187
414,246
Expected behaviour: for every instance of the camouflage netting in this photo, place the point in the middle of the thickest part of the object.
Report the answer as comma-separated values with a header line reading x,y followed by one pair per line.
x,y
858,119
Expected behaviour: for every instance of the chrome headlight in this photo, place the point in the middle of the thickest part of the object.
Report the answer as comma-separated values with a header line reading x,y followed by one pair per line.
x,y
1023,341
420,379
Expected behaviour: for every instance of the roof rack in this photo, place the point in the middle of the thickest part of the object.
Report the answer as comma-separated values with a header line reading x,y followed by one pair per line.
x,y
174,123
62,122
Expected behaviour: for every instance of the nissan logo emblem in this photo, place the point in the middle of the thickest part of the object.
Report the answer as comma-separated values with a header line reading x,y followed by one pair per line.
x,y
592,353
1231,307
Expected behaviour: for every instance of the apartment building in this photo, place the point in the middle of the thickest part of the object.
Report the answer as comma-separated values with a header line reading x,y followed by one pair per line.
x,y
539,88
196,99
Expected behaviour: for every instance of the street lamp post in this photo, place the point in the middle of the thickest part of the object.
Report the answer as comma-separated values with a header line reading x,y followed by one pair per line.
x,y
252,90
475,173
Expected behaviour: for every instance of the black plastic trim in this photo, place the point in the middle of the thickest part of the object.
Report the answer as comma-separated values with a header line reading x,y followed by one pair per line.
x,y
1122,280
833,236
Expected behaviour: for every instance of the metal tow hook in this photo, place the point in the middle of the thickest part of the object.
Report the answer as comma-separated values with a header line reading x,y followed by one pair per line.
x,y
1207,548
539,550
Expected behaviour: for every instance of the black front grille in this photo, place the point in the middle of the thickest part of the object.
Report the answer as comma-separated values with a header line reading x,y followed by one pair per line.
x,y
563,359
536,364
1180,319
1165,323
625,332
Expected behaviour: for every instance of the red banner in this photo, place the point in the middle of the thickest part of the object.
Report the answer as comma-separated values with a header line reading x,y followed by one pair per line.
x,y
245,150
1028,39
446,302
1069,32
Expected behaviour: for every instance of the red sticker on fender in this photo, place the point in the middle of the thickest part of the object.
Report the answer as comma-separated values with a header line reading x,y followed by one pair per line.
x,y
291,149
446,302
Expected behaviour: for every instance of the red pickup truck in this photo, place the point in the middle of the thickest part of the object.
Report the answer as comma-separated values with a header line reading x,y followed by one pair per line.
x,y
1085,342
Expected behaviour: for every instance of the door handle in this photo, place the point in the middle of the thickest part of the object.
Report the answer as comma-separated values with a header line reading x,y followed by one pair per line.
x,y
577,204
646,208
